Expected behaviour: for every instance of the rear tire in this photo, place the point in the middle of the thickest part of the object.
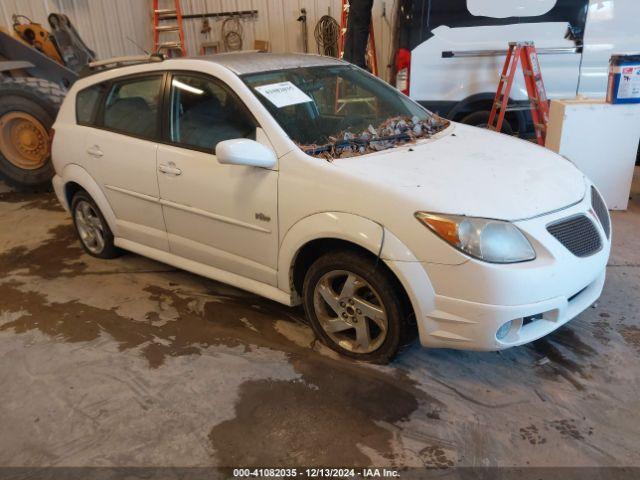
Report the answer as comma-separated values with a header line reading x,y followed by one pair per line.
x,y
366,320
93,230
480,119
28,108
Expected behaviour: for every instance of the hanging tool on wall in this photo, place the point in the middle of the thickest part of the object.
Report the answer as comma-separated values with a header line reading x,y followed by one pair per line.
x,y
205,28
526,53
326,34
231,34
357,42
231,31
161,26
207,47
303,25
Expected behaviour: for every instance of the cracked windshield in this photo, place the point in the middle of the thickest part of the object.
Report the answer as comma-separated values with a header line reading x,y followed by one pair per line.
x,y
341,111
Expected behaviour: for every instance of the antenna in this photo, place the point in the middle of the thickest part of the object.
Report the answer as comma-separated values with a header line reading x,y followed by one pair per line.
x,y
132,41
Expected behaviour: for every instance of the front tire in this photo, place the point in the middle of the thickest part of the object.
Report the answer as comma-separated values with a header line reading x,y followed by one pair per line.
x,y
354,306
92,229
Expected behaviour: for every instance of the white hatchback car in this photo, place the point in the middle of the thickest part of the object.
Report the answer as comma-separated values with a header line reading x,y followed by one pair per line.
x,y
306,180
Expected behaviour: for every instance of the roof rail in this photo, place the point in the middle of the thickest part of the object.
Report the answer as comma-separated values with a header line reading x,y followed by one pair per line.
x,y
115,62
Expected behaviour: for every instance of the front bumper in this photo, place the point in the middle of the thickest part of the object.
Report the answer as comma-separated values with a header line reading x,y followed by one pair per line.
x,y
463,306
472,326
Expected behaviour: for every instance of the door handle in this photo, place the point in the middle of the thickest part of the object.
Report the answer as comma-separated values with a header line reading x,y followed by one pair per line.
x,y
95,151
170,169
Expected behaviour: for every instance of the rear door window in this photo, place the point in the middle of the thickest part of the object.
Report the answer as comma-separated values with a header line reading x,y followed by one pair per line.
x,y
87,103
132,106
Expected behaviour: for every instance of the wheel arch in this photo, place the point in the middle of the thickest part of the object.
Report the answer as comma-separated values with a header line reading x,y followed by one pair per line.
x,y
312,250
325,227
76,178
317,234
484,101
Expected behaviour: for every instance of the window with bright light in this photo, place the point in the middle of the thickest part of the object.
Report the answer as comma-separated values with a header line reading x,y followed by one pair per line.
x,y
204,113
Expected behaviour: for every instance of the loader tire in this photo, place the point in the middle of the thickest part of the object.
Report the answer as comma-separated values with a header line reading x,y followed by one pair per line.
x,y
28,108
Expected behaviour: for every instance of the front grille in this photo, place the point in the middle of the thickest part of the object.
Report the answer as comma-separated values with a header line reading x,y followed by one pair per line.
x,y
601,211
578,234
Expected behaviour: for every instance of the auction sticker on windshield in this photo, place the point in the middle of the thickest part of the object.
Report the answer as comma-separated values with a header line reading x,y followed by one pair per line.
x,y
283,94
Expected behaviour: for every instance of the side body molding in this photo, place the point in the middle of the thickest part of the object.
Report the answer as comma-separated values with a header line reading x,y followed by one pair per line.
x,y
75,173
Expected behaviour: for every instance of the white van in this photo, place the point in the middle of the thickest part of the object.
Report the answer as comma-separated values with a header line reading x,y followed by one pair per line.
x,y
451,51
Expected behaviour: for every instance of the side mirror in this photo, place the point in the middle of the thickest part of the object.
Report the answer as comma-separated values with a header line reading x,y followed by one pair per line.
x,y
242,151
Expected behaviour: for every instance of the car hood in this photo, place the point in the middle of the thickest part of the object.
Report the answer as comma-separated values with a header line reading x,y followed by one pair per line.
x,y
475,172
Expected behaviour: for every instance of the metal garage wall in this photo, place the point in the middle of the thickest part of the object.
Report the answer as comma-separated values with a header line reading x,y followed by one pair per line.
x,y
106,24
103,24
277,23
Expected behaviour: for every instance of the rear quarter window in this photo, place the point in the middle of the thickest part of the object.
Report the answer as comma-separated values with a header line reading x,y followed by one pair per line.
x,y
87,101
132,106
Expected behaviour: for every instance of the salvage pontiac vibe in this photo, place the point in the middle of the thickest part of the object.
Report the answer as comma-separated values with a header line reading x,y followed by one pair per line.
x,y
304,179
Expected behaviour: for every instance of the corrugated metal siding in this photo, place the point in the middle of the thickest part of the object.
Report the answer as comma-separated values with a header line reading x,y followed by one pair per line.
x,y
104,25
114,27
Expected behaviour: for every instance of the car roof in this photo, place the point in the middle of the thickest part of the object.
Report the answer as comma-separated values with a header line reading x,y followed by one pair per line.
x,y
239,63
253,62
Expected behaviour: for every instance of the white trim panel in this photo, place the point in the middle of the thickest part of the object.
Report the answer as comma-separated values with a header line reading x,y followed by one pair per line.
x,y
232,279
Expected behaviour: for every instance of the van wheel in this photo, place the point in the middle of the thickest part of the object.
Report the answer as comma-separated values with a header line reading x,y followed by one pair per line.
x,y
354,307
92,229
481,120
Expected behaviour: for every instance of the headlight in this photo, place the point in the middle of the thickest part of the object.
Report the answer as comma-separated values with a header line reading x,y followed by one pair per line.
x,y
493,241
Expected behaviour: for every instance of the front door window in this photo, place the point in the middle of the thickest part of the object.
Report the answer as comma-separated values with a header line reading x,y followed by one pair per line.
x,y
204,113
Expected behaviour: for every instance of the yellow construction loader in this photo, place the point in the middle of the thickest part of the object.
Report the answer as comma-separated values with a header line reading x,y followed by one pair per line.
x,y
37,66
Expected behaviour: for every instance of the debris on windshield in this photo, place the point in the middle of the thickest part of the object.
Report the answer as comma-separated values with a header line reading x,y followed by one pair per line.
x,y
392,132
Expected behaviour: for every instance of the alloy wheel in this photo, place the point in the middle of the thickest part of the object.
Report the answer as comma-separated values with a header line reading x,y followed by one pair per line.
x,y
90,227
350,311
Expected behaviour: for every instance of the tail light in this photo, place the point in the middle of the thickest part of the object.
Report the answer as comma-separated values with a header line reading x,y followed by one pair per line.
x,y
403,69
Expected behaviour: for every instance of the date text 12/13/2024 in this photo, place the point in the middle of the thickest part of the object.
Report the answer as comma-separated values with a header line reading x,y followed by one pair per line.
x,y
315,473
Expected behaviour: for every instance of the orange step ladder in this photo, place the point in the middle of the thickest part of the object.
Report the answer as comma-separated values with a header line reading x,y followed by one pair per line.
x,y
526,53
161,26
371,46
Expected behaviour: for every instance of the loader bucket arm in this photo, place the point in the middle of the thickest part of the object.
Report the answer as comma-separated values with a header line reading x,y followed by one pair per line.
x,y
34,62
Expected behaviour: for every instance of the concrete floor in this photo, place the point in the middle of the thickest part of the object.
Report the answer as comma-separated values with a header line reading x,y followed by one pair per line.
x,y
130,362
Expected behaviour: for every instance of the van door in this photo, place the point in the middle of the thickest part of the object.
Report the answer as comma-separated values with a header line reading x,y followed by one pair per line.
x,y
459,53
121,157
612,27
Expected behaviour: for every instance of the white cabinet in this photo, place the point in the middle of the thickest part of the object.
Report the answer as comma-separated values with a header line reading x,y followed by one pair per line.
x,y
601,140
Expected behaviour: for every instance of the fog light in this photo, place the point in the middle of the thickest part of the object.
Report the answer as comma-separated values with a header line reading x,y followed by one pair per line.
x,y
503,330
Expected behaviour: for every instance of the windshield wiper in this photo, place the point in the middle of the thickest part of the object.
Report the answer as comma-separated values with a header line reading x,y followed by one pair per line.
x,y
358,142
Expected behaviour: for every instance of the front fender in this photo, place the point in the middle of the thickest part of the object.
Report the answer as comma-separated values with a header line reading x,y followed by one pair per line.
x,y
370,236
75,173
337,225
